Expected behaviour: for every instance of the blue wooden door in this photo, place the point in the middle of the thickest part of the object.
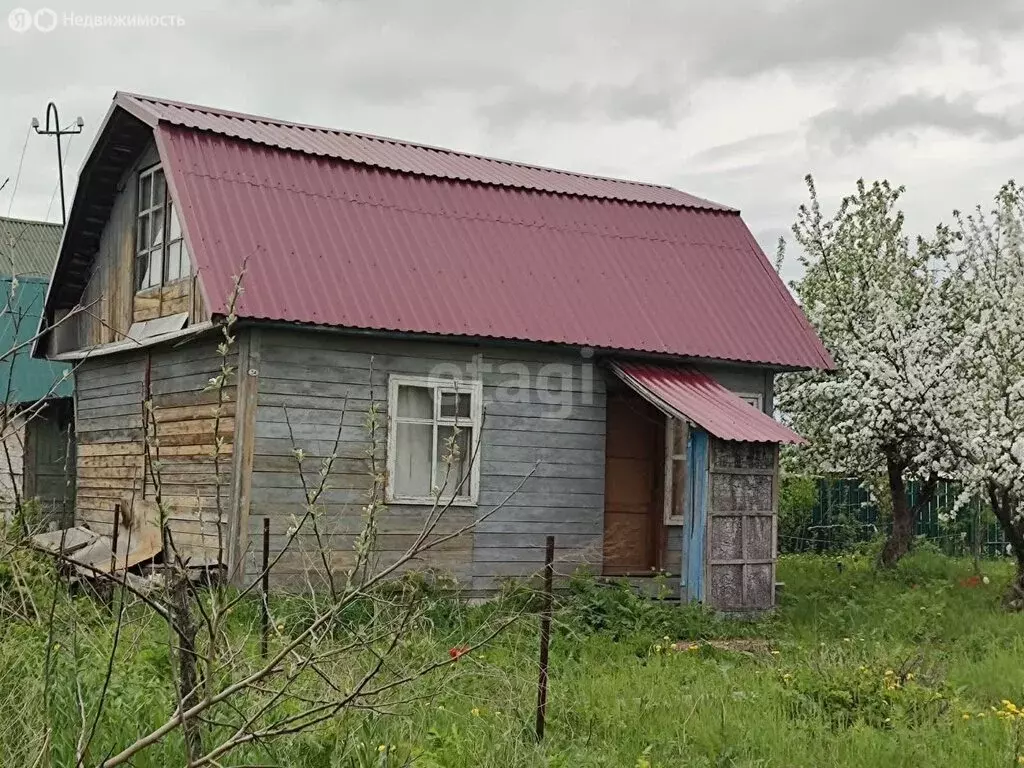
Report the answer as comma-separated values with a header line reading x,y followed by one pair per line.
x,y
695,522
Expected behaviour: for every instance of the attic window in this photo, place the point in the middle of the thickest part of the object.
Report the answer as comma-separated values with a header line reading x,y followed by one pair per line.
x,y
161,255
756,400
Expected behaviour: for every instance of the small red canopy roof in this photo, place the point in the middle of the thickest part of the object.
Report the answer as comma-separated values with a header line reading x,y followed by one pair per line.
x,y
696,397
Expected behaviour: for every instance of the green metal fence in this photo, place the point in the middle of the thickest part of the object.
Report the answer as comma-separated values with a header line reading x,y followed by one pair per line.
x,y
844,515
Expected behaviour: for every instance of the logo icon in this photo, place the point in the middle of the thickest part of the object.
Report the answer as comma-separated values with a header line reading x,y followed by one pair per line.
x,y
20,20
45,20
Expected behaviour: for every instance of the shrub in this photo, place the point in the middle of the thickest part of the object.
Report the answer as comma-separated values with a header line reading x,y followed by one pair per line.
x,y
797,496
845,695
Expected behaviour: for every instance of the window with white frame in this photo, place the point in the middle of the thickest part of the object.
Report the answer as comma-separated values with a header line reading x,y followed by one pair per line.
x,y
433,436
754,399
161,255
677,442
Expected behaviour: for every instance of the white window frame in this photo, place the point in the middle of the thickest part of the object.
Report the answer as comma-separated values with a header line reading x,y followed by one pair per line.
x,y
166,246
755,399
440,386
671,425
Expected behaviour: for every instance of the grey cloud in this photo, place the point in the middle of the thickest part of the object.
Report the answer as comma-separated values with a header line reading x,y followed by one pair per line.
x,y
844,127
749,37
524,102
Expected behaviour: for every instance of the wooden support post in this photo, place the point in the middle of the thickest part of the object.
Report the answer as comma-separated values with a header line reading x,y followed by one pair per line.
x,y
265,592
545,636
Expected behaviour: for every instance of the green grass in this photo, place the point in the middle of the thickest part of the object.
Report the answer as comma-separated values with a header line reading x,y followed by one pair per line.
x,y
823,698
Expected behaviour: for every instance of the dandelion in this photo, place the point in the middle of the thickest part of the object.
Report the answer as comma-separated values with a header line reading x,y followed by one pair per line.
x,y
280,627
693,647
382,748
1020,759
667,639
966,715
889,673
475,712
775,653
787,676
657,649
910,675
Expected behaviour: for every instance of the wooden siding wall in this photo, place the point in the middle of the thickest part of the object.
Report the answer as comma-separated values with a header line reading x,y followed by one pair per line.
x,y
110,294
742,506
110,422
179,296
50,461
324,379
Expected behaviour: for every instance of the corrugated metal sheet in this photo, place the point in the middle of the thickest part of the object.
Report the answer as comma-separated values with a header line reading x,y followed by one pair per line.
x,y
29,379
696,397
32,245
339,244
402,156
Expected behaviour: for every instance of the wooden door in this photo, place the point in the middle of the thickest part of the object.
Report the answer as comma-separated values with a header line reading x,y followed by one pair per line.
x,y
632,496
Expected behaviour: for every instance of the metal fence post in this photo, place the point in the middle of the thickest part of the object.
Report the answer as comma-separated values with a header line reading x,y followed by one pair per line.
x,y
545,636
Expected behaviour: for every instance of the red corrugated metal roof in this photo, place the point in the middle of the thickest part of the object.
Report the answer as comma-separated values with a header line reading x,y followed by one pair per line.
x,y
338,243
346,230
696,397
401,156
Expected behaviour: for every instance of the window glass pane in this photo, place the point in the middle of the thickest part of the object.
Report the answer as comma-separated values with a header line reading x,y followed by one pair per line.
x,y
141,268
175,227
174,261
142,243
186,260
145,185
156,267
158,187
156,227
456,404
680,431
413,454
678,501
416,402
453,460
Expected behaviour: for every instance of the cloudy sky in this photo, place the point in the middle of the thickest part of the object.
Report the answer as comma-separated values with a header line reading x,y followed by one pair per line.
x,y
735,101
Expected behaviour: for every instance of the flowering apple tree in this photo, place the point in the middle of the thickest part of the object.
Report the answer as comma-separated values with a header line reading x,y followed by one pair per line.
x,y
878,302
987,409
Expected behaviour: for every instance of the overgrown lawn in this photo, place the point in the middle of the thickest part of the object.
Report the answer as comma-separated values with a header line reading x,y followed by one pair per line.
x,y
857,668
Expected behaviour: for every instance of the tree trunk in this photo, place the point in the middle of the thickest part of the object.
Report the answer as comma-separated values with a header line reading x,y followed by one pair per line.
x,y
902,536
1004,507
188,678
903,514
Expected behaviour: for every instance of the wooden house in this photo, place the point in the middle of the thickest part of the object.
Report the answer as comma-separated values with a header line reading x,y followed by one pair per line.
x,y
36,420
603,351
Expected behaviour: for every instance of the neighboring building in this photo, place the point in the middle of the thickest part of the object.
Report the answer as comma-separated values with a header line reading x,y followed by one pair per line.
x,y
36,426
620,337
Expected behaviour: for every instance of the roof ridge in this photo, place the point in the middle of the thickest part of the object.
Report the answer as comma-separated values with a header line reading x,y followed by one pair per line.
x,y
266,120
